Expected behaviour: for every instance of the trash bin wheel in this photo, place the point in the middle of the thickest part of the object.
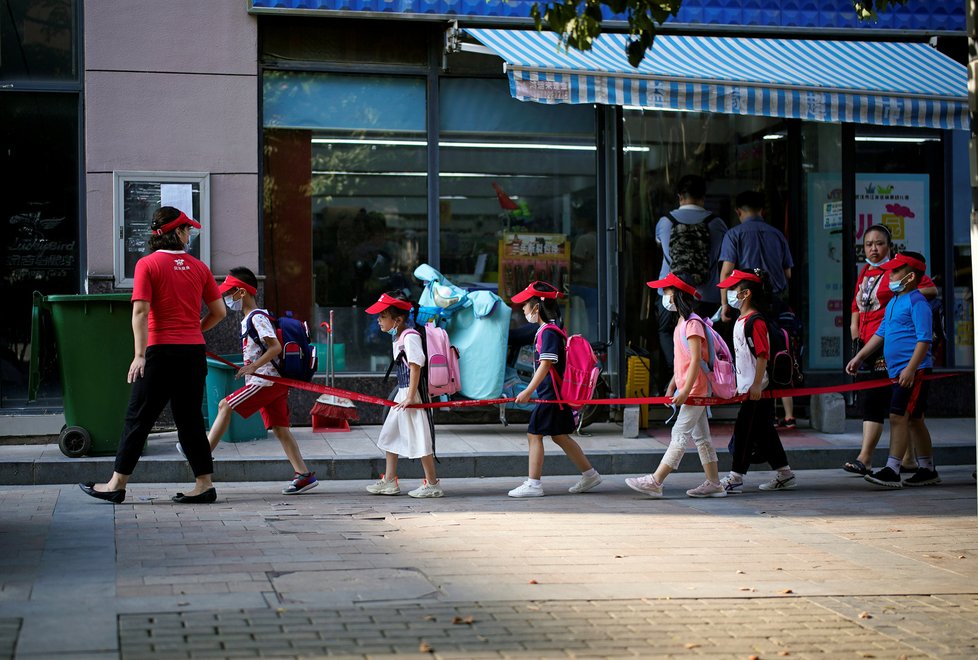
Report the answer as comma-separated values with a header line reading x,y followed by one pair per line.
x,y
74,442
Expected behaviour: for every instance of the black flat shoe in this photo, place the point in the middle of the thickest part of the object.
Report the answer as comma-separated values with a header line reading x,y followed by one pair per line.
x,y
209,496
114,496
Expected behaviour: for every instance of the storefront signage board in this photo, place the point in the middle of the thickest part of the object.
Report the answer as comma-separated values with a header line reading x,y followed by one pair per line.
x,y
899,201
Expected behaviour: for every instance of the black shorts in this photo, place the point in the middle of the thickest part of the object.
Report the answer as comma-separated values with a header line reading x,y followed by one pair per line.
x,y
913,399
550,419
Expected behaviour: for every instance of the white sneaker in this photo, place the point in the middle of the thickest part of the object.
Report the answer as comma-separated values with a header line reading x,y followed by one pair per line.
x,y
646,484
384,487
731,486
780,482
585,484
707,489
427,490
527,490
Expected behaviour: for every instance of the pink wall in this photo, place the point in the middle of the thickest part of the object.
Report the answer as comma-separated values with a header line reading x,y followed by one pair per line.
x,y
173,86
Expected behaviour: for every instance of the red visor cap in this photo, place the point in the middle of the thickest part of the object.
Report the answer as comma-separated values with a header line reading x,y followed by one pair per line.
x,y
533,290
182,219
904,260
232,282
738,276
386,301
673,281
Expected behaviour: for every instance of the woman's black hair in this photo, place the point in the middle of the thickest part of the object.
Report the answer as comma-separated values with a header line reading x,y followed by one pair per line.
x,y
169,240
883,229
549,307
760,292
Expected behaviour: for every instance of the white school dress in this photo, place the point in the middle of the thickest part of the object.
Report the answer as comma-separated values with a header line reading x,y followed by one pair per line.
x,y
406,432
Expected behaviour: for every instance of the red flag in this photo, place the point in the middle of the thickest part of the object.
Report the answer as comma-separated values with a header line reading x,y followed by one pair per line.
x,y
504,201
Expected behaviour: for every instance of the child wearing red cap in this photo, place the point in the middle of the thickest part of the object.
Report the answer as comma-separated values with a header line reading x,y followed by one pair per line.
x,y
548,419
406,431
689,379
755,438
906,334
259,347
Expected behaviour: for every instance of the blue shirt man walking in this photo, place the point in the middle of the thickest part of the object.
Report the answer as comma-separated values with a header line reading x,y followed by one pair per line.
x,y
754,244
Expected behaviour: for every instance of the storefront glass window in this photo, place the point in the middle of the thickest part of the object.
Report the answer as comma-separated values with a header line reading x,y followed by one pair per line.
x,y
518,196
38,229
900,183
37,40
345,200
733,153
962,337
821,264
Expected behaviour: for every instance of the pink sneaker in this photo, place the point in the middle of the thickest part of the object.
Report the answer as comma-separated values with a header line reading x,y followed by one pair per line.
x,y
646,484
707,489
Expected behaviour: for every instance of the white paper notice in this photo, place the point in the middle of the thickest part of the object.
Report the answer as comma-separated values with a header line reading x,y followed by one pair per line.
x,y
178,195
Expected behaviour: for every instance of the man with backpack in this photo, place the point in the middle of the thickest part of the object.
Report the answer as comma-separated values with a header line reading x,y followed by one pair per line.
x,y
264,354
690,237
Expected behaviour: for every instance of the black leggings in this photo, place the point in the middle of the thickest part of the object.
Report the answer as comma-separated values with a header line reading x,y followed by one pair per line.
x,y
755,440
174,373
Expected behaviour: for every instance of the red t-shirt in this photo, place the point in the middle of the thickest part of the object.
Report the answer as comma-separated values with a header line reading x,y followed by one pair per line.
x,y
174,284
872,296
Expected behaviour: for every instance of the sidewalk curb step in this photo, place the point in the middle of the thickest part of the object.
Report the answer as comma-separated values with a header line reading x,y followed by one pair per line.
x,y
176,470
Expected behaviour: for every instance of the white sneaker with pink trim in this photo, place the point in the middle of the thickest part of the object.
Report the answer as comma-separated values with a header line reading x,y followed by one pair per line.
x,y
646,484
707,489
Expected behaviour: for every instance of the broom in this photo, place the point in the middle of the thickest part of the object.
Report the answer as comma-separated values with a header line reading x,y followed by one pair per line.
x,y
331,412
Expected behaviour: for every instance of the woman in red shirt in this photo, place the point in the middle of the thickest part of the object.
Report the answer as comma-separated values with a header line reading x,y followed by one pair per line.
x,y
170,364
868,310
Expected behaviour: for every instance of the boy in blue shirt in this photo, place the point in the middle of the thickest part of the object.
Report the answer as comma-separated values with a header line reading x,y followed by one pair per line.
x,y
906,334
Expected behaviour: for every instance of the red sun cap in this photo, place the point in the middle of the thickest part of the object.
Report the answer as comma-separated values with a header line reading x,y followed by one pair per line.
x,y
904,260
232,282
386,301
673,281
738,276
535,290
182,219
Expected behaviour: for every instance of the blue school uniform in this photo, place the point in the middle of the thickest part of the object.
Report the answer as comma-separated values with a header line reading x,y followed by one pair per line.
x,y
549,418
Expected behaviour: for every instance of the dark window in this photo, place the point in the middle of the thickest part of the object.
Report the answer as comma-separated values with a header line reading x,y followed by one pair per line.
x,y
37,40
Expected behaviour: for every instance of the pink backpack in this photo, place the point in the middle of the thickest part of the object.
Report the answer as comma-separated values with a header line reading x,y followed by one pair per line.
x,y
441,361
580,368
719,368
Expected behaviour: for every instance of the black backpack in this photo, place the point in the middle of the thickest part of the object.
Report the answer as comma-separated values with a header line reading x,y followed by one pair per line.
x,y
689,249
938,347
783,367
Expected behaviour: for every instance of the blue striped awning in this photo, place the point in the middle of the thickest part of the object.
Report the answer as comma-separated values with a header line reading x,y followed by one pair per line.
x,y
889,84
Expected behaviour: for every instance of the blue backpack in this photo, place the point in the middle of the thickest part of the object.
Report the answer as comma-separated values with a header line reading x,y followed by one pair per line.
x,y
298,357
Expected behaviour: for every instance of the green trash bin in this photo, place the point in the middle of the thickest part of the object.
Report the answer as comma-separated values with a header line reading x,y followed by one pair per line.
x,y
220,383
93,336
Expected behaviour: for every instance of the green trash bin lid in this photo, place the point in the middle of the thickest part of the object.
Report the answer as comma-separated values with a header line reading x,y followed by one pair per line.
x,y
89,297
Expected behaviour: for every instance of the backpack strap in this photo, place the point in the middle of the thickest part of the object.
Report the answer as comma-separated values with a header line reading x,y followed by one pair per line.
x,y
707,365
400,356
554,376
252,331
749,332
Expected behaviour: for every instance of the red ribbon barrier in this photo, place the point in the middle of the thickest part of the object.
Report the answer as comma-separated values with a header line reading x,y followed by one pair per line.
x,y
693,400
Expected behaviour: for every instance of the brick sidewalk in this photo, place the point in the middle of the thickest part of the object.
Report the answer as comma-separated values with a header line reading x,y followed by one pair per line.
x,y
606,574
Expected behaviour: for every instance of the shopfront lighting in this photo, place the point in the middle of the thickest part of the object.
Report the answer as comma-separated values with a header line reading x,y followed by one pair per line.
x,y
775,136
890,138
465,145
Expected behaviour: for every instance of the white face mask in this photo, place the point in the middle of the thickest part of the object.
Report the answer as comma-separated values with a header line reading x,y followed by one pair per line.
x,y
668,303
733,300
233,305
877,263
532,318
